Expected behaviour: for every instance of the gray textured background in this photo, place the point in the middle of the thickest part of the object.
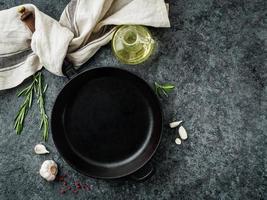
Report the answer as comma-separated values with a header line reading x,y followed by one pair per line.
x,y
215,53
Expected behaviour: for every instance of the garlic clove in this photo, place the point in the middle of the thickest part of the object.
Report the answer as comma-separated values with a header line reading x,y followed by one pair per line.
x,y
175,124
49,170
182,133
40,149
178,141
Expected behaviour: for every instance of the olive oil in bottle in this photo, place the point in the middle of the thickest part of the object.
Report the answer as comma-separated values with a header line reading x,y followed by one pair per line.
x,y
132,44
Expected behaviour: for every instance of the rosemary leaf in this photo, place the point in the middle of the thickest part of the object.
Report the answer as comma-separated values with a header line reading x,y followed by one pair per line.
x,y
30,99
45,88
163,89
168,86
164,92
23,92
41,125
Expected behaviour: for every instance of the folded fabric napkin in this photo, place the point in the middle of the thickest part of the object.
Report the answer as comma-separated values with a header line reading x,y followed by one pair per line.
x,y
83,28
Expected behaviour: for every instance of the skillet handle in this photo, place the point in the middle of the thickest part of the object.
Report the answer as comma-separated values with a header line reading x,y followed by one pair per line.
x,y
144,173
68,69
27,17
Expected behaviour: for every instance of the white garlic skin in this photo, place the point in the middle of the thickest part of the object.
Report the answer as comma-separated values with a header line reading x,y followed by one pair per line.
x,y
182,133
175,124
40,149
49,170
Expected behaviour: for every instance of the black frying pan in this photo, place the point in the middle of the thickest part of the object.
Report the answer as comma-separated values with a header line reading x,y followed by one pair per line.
x,y
107,123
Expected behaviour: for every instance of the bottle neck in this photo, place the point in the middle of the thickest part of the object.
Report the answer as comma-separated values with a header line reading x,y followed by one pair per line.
x,y
131,40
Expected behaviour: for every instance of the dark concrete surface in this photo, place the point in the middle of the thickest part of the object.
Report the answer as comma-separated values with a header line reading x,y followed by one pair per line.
x,y
215,54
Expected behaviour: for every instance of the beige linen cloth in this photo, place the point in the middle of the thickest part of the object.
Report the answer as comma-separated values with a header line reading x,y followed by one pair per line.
x,y
84,26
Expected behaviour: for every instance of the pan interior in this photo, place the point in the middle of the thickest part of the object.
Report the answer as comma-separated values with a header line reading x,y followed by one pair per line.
x,y
107,120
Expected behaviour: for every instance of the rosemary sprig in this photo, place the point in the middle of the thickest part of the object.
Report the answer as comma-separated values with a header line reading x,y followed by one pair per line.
x,y
163,89
40,91
35,87
24,108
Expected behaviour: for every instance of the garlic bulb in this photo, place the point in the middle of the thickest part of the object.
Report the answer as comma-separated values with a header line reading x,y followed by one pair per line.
x,y
40,149
49,170
182,133
175,124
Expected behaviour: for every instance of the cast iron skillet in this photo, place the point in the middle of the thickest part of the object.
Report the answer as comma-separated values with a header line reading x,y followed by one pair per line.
x,y
106,123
